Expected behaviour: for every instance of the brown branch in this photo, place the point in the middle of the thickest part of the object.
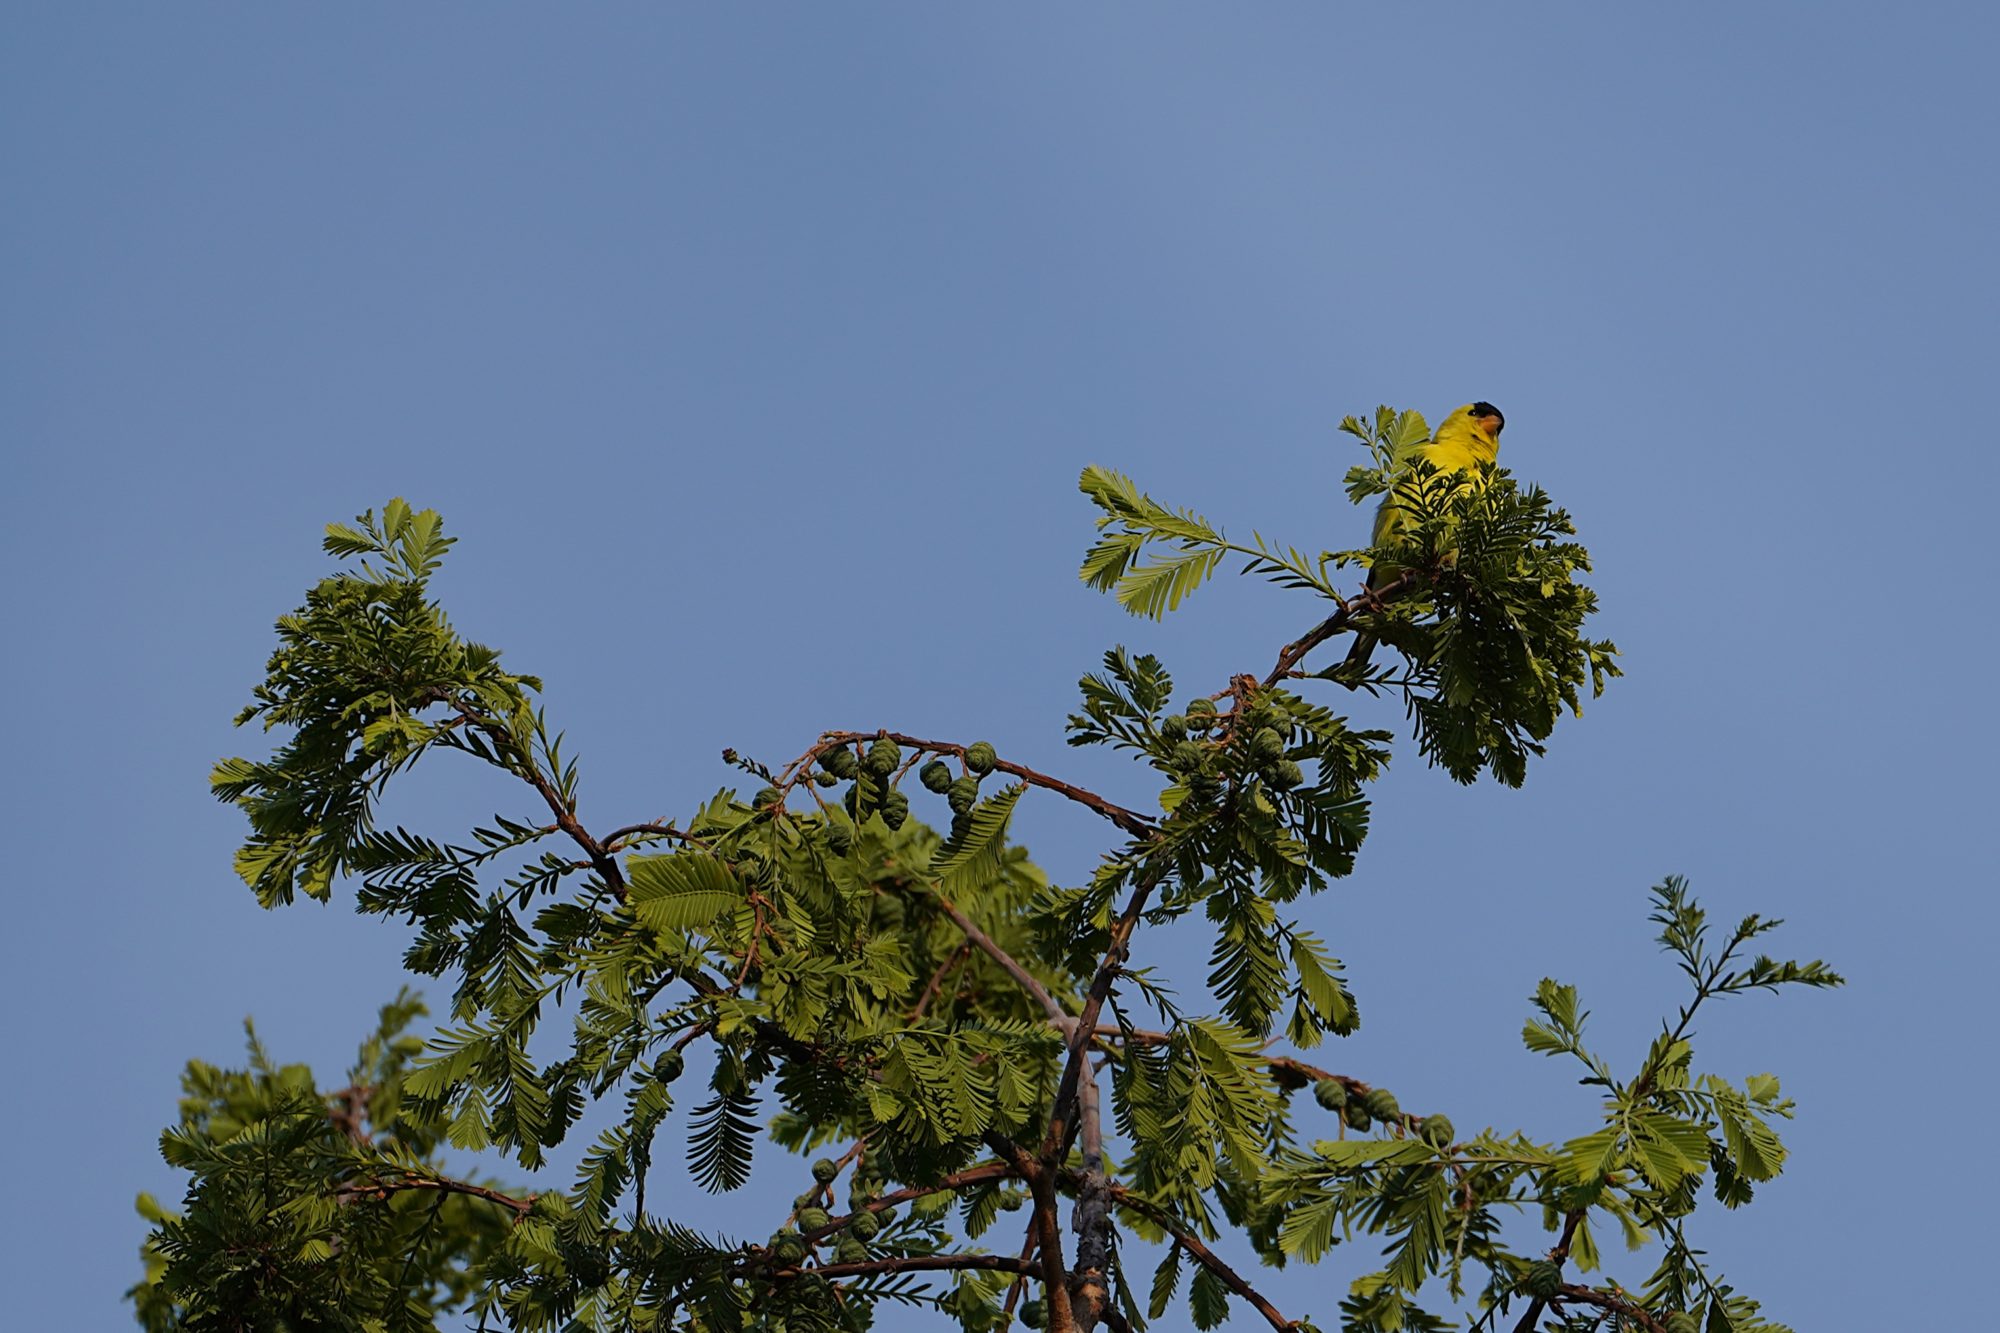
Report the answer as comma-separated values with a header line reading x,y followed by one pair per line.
x,y
1206,1257
913,1263
1062,1126
382,1189
984,943
1131,821
605,863
1369,599
1609,1301
1571,1222
655,828
956,958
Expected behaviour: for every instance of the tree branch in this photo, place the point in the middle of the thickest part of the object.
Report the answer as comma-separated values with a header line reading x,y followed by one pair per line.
x,y
1368,599
604,862
1131,821
1013,968
376,1188
1206,1257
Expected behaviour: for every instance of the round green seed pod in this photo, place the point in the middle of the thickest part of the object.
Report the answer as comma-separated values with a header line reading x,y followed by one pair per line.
x,y
824,1171
961,824
864,1226
1200,708
1356,1116
1173,728
810,1199
935,776
980,758
963,794
766,797
1680,1321
1437,1131
883,756
895,808
1543,1279
839,761
1187,757
668,1067
839,838
812,1219
1330,1093
1284,775
1381,1104
826,779
1034,1314
788,1247
1012,1201
1267,744
850,1250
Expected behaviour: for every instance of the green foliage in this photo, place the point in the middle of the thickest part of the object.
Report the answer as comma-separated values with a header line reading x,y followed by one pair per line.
x,y
311,1208
924,1011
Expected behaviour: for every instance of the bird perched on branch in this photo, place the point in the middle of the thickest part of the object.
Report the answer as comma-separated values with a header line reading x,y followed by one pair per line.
x,y
1467,438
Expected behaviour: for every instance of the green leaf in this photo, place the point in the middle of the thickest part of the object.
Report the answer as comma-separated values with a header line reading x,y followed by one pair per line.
x,y
681,890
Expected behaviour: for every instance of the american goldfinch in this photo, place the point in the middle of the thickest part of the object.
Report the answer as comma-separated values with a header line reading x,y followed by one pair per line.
x,y
1467,438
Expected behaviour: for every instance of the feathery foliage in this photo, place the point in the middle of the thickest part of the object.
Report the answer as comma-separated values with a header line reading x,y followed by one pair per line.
x,y
943,1037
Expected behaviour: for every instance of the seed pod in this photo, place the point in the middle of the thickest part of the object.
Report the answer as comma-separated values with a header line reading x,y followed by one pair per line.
x,y
1201,708
1267,744
1011,1201
839,837
935,776
864,1226
787,1247
1187,757
1381,1104
1284,775
668,1067
980,758
886,1215
961,824
963,794
824,1171
826,779
766,797
839,761
812,1219
850,1250
1173,728
895,808
1543,1279
810,1199
1033,1313
1356,1116
1330,1093
883,756
1437,1131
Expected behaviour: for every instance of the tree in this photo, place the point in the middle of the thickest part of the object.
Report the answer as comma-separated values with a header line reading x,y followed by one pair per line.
x,y
948,1035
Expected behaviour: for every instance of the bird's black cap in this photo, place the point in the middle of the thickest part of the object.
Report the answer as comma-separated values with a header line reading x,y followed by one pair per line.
x,y
1486,409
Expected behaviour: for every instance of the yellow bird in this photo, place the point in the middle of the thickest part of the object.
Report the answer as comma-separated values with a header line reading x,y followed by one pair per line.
x,y
1467,438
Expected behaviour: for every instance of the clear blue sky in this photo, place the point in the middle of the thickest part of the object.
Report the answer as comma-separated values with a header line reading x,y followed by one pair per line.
x,y
753,352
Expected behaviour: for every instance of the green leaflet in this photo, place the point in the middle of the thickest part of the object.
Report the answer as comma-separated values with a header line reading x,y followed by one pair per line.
x,y
681,890
972,861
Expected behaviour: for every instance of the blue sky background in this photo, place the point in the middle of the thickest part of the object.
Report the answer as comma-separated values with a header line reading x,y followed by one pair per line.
x,y
753,351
